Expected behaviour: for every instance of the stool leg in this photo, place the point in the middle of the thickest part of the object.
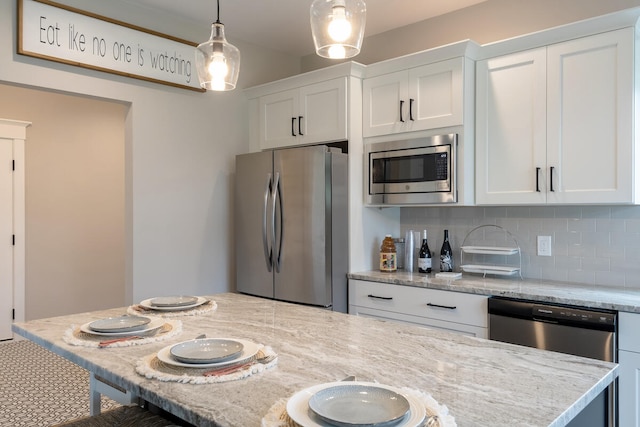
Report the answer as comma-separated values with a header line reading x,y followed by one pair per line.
x,y
94,396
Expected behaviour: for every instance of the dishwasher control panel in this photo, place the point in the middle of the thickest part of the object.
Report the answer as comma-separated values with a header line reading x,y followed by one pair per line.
x,y
572,314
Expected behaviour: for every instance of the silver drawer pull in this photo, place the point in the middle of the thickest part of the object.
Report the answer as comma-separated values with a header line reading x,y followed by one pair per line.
x,y
448,307
377,297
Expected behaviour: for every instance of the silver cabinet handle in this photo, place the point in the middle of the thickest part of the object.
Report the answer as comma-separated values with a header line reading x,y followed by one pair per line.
x,y
538,180
551,178
265,243
448,307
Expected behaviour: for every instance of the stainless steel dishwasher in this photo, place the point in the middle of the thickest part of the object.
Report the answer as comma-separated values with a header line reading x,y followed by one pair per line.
x,y
565,329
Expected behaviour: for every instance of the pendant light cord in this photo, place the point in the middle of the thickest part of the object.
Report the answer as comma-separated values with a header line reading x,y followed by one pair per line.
x,y
218,20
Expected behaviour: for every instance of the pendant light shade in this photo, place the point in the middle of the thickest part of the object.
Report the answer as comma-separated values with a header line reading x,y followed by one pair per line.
x,y
217,60
337,27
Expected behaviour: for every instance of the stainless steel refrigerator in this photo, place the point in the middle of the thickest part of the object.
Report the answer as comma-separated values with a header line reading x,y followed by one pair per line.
x,y
291,225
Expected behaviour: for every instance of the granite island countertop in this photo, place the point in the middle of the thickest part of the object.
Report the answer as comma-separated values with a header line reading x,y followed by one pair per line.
x,y
591,296
483,383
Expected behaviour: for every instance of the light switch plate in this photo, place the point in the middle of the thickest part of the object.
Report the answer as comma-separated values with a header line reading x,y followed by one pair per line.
x,y
544,245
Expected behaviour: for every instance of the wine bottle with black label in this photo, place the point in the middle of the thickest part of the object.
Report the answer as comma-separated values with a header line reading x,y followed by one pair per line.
x,y
446,256
424,257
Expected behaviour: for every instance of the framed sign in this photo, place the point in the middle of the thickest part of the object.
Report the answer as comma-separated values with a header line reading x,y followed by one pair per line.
x,y
60,33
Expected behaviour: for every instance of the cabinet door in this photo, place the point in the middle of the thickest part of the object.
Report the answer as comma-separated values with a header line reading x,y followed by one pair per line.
x,y
278,119
323,112
381,104
511,129
589,122
628,388
435,96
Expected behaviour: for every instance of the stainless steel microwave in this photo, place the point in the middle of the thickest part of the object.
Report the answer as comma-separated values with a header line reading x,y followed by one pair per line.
x,y
416,171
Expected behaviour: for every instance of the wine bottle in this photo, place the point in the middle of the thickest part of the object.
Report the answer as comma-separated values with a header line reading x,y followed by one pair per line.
x,y
446,256
424,257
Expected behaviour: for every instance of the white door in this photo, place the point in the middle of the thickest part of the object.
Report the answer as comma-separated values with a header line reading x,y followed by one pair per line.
x,y
435,95
279,119
511,129
590,118
323,111
6,238
383,99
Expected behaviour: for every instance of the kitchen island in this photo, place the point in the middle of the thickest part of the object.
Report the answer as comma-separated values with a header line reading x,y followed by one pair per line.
x,y
483,383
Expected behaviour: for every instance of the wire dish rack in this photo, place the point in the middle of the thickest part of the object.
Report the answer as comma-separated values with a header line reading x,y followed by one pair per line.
x,y
497,257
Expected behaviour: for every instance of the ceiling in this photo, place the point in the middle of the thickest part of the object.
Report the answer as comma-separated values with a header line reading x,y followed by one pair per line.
x,y
283,25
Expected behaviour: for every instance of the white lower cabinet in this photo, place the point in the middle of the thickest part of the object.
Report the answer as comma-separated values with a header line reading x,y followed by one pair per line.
x,y
451,311
629,370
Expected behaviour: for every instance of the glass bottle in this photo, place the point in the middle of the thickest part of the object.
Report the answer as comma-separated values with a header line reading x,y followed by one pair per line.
x,y
446,256
388,255
424,258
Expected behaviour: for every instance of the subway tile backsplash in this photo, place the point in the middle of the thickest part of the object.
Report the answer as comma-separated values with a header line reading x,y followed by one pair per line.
x,y
598,245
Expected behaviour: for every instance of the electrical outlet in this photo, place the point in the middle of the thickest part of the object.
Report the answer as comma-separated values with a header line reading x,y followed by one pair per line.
x,y
544,245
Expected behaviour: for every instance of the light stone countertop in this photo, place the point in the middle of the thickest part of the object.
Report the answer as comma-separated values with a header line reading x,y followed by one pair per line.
x,y
591,296
483,383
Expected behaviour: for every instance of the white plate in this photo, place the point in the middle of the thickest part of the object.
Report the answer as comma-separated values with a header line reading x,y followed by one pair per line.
x,y
206,350
124,323
249,350
151,326
349,404
147,304
298,406
173,301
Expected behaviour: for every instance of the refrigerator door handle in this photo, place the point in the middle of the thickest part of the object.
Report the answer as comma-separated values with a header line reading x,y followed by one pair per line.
x,y
276,243
265,243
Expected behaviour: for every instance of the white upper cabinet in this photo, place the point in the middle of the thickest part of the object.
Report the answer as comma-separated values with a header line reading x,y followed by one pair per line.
x,y
555,124
419,98
306,115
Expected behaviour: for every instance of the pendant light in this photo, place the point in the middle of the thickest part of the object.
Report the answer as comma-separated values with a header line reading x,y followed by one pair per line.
x,y
337,27
217,60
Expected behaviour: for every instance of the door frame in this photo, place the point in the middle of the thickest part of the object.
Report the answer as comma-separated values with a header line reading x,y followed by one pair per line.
x,y
16,130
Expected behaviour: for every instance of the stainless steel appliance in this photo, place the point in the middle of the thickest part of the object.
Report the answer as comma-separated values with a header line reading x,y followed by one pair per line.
x,y
413,171
291,225
565,329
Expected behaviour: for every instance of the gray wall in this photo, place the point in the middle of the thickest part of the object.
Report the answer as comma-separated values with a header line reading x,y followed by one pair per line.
x,y
179,155
485,22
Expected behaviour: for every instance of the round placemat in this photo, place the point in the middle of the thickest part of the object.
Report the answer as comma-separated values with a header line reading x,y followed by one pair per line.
x,y
277,415
207,307
153,368
75,336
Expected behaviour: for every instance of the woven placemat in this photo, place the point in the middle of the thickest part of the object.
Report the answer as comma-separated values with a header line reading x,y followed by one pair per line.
x,y
153,368
75,336
138,310
277,415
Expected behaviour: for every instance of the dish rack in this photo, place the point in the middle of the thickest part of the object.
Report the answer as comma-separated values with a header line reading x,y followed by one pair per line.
x,y
506,251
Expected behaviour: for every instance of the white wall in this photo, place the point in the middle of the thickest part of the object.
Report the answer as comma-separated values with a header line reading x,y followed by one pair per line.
x,y
180,149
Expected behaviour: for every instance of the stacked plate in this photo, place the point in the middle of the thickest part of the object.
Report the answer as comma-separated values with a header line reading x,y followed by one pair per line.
x,y
355,404
173,303
122,326
209,353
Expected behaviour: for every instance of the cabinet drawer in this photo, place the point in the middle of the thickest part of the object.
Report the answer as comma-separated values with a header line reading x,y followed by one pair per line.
x,y
628,326
468,309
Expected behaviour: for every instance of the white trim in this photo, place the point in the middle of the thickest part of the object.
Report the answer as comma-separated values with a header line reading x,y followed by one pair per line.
x,y
17,131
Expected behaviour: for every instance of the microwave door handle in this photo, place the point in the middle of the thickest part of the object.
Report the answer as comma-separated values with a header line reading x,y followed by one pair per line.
x,y
265,243
401,104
